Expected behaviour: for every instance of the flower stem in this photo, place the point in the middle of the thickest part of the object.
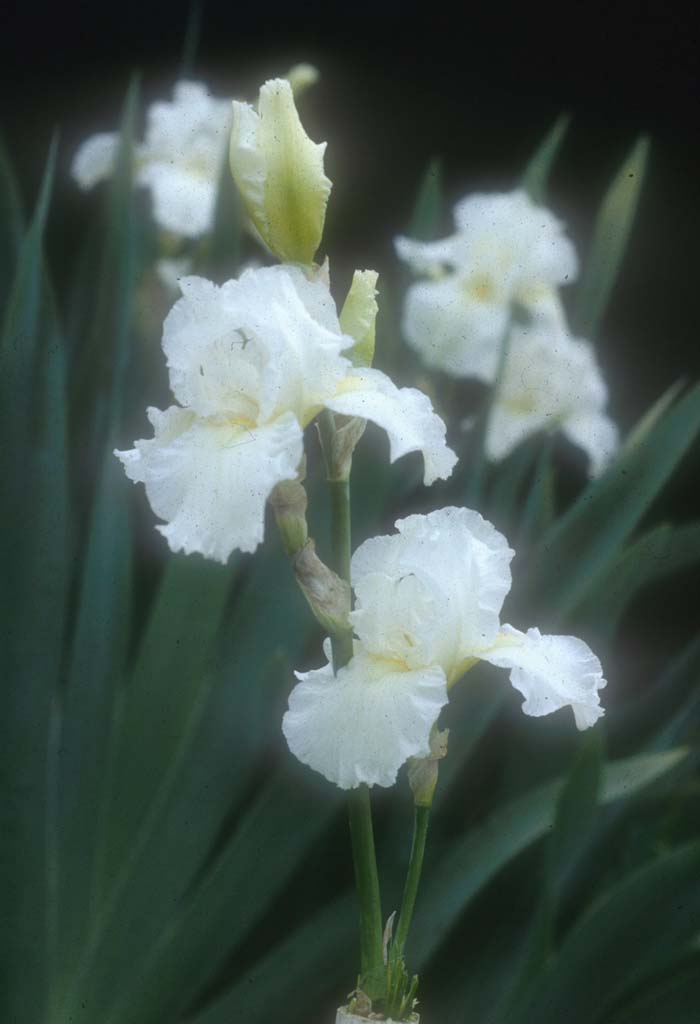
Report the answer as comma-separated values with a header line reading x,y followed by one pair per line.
x,y
367,883
415,866
341,641
359,806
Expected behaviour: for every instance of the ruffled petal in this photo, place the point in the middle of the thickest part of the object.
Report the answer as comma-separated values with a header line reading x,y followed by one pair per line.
x,y
551,672
94,160
363,724
209,480
267,343
405,414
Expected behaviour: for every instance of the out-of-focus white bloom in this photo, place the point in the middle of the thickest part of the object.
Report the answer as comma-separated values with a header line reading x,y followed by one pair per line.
x,y
251,363
279,173
180,159
505,251
428,604
551,380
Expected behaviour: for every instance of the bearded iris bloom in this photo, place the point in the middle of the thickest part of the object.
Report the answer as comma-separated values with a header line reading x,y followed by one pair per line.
x,y
251,363
427,607
179,161
505,252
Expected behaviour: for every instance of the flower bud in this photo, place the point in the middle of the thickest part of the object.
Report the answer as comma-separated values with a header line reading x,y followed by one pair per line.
x,y
358,316
423,771
279,173
328,595
289,502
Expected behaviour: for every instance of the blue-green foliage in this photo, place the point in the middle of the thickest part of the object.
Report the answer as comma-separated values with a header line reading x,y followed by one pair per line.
x,y
161,856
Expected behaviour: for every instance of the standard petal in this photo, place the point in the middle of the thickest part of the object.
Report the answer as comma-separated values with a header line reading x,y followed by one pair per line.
x,y
432,592
522,236
363,724
94,160
551,672
404,413
267,343
209,480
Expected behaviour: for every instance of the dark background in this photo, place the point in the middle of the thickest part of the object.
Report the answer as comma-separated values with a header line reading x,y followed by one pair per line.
x,y
477,85
402,82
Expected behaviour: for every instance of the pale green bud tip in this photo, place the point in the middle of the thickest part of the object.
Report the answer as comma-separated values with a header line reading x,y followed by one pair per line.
x,y
289,502
359,314
301,76
279,173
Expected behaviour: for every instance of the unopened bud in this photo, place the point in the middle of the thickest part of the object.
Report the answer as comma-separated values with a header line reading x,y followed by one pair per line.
x,y
423,771
279,173
328,595
289,502
359,314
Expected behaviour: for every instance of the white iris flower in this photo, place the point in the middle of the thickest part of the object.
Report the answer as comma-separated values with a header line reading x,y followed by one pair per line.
x,y
428,603
251,363
551,381
505,251
180,159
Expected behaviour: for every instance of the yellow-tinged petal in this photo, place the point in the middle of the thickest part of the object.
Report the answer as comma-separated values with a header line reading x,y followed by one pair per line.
x,y
358,316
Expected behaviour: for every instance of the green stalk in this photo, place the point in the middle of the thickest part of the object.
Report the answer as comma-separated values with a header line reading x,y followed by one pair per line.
x,y
367,883
415,866
341,641
359,806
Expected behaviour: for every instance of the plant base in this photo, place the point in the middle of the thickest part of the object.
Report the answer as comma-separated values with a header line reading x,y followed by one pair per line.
x,y
344,1017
